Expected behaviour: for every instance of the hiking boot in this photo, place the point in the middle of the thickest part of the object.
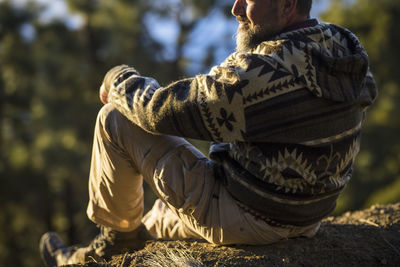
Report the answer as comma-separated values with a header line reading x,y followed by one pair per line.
x,y
53,250
106,244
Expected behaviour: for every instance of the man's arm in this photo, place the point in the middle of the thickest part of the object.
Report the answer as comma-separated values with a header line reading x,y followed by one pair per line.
x,y
206,107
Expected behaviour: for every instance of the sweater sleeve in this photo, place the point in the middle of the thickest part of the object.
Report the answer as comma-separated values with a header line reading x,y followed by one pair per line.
x,y
206,107
203,107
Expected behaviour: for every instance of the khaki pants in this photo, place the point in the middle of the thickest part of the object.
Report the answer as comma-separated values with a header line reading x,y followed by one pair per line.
x,y
192,202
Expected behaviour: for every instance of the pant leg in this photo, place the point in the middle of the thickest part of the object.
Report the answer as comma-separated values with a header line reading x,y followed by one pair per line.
x,y
115,185
122,152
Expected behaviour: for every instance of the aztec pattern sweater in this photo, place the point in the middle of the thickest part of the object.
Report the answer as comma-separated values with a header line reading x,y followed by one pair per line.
x,y
284,118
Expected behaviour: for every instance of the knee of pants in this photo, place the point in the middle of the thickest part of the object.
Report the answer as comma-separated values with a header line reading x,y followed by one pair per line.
x,y
110,122
106,113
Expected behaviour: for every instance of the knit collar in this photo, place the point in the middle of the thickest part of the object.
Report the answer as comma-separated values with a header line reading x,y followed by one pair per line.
x,y
300,25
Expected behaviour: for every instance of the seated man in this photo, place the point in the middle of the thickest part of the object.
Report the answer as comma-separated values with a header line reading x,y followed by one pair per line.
x,y
284,113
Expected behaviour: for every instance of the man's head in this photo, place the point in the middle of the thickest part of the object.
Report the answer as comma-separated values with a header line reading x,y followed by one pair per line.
x,y
262,19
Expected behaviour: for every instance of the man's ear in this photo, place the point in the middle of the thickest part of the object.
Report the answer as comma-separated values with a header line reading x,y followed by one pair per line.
x,y
289,8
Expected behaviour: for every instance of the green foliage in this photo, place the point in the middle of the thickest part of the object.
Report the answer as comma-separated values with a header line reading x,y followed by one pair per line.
x,y
377,169
49,101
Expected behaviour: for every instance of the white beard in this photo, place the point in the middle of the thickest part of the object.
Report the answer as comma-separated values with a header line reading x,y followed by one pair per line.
x,y
248,39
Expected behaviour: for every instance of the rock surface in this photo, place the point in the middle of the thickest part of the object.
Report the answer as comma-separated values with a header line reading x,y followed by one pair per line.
x,y
363,238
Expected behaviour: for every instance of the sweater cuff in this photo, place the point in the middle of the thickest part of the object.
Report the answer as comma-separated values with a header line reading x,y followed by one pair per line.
x,y
117,75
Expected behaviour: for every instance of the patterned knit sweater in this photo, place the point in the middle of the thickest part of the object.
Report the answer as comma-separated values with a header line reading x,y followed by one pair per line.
x,y
284,118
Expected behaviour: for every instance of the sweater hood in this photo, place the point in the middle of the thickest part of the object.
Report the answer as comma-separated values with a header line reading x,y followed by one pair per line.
x,y
329,60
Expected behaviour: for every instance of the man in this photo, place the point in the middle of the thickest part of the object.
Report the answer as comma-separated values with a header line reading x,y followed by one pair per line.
x,y
284,113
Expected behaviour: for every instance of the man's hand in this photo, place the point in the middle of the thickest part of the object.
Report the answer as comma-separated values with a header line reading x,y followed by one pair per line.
x,y
110,78
103,94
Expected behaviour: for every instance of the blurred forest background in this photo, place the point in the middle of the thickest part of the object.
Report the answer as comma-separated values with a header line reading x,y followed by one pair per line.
x,y
50,72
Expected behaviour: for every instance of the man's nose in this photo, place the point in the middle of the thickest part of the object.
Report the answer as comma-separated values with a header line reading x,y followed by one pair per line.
x,y
239,8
